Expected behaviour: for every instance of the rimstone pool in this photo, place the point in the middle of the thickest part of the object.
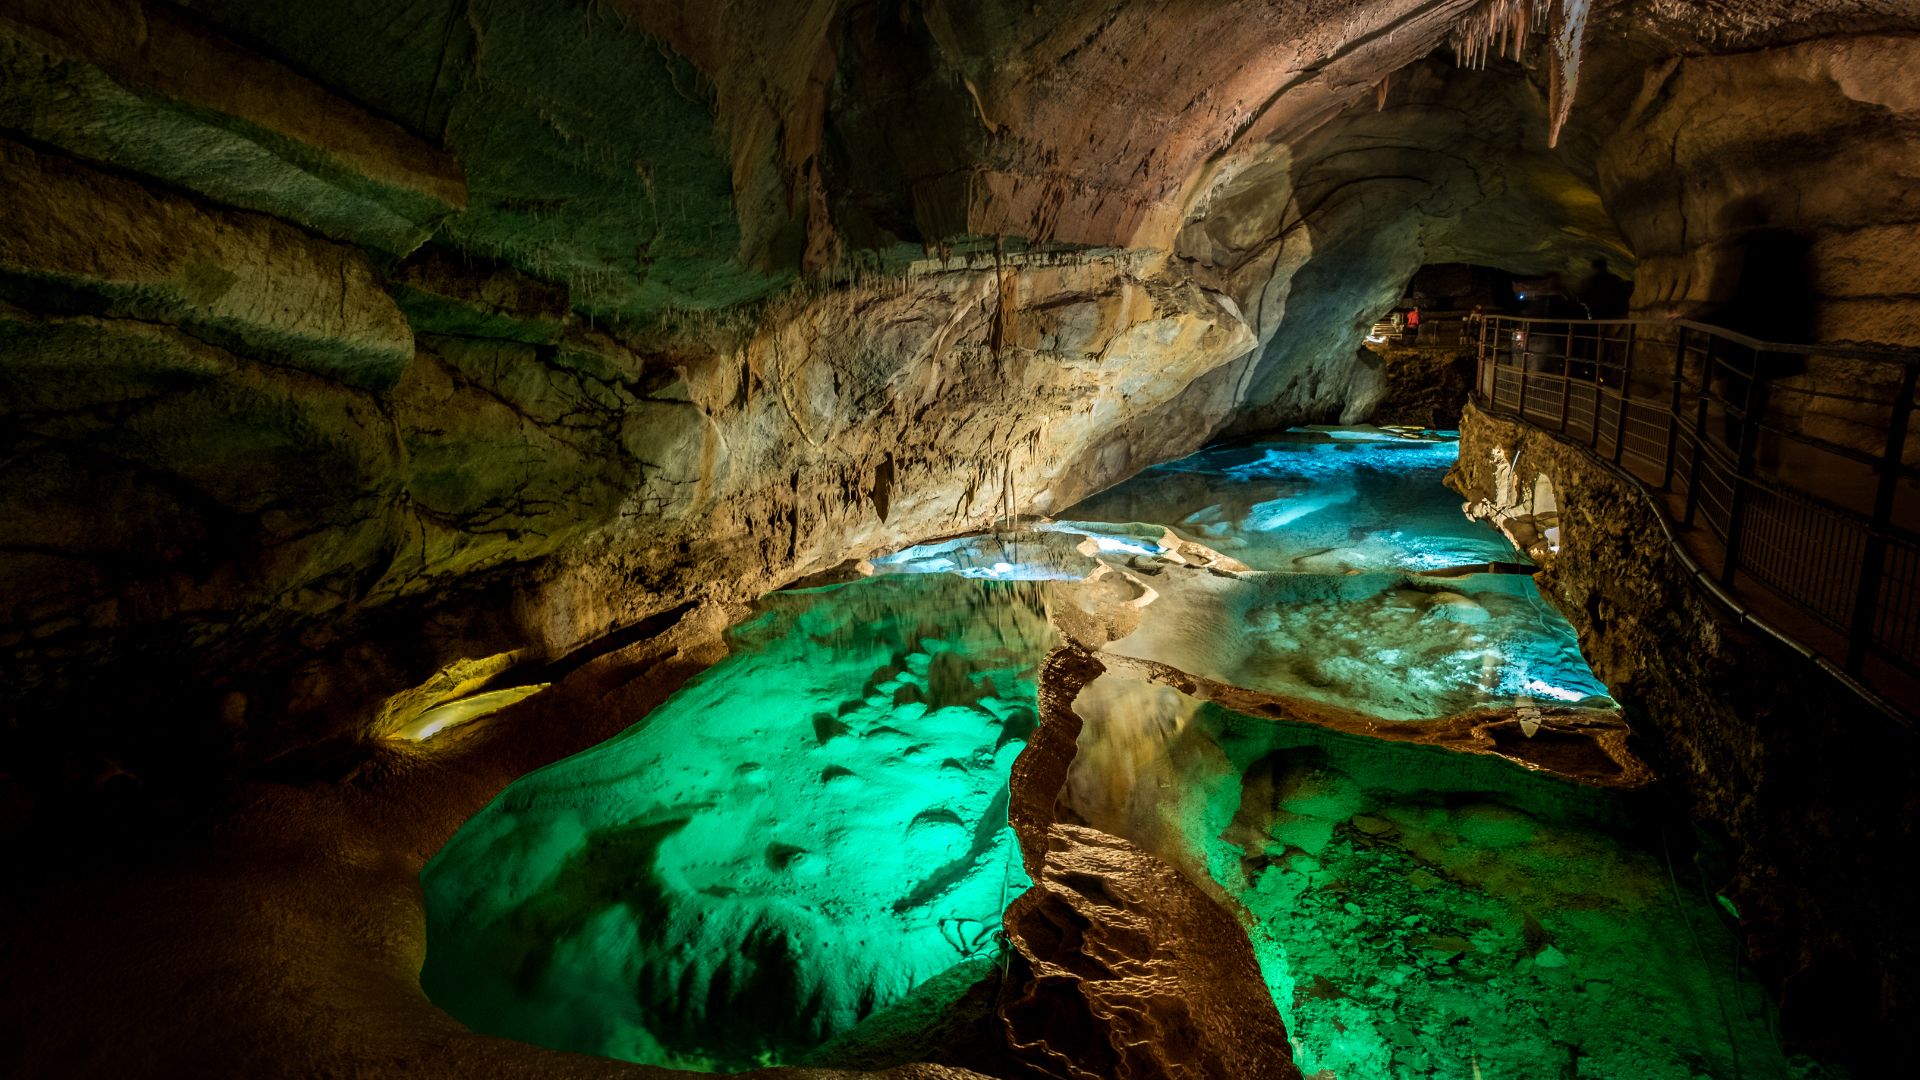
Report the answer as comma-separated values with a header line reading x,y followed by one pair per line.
x,y
1401,777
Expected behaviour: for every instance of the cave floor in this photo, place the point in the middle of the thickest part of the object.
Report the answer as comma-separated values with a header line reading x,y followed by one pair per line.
x,y
790,845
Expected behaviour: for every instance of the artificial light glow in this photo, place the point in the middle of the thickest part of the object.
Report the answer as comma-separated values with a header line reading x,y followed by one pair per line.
x,y
1539,686
466,710
802,837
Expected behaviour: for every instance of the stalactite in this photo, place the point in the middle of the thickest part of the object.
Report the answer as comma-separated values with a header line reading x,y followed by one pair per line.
x,y
1501,27
1569,39
1497,28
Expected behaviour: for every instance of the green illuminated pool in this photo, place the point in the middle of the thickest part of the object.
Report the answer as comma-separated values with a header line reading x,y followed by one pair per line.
x,y
1419,913
810,837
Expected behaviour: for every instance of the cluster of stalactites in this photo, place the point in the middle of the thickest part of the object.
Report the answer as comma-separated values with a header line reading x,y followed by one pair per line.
x,y
1501,28
1497,28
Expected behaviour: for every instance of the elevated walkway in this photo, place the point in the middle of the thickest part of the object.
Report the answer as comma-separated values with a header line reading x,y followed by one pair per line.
x,y
1786,474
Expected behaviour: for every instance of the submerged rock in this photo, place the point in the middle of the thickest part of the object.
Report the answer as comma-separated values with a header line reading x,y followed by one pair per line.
x,y
775,858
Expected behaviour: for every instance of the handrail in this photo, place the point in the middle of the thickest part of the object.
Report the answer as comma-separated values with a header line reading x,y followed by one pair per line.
x,y
1787,461
1889,353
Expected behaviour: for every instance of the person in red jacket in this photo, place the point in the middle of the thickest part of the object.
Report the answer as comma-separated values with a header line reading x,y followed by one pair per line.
x,y
1413,322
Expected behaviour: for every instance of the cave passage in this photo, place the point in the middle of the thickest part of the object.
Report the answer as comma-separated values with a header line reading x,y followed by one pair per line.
x,y
804,855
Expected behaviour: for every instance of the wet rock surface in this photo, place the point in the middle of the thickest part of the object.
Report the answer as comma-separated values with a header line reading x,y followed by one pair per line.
x,y
1813,792
1125,968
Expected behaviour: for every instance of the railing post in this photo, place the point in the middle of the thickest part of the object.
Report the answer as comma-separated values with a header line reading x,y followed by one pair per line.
x,y
1873,565
1673,417
1524,365
1626,394
1699,437
1566,377
1755,401
1481,392
1593,417
1486,343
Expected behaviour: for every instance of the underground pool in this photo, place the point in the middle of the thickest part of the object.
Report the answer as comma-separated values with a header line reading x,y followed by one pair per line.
x,y
1330,700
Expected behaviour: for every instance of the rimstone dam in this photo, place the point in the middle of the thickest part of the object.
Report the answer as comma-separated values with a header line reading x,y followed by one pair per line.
x,y
960,539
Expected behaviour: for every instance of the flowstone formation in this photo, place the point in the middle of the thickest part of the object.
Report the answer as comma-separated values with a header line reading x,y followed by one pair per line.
x,y
809,842
1395,646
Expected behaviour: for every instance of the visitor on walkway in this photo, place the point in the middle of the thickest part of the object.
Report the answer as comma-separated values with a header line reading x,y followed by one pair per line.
x,y
1604,294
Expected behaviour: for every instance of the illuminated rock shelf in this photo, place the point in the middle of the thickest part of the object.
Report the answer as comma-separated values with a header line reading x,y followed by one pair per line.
x,y
1394,646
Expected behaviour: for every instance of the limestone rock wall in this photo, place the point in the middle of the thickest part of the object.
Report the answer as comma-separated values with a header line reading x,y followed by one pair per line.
x,y
1814,792
1122,967
1771,190
344,342
230,447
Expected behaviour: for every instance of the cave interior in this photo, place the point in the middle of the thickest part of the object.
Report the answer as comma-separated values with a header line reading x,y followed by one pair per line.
x,y
944,539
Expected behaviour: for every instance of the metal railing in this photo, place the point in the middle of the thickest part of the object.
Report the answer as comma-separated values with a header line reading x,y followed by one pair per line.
x,y
1795,460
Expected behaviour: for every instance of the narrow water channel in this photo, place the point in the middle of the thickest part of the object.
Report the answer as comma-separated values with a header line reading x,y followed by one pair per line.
x,y
803,856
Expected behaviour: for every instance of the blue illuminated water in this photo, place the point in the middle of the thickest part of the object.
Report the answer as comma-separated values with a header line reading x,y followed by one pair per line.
x,y
1334,536
1313,501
